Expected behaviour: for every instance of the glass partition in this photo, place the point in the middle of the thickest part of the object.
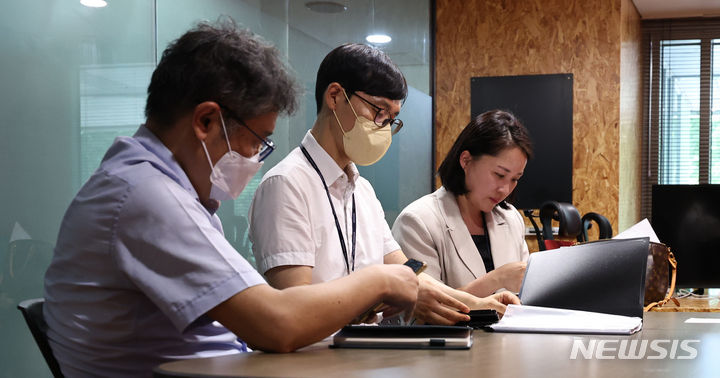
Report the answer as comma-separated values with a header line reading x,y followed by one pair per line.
x,y
305,36
76,77
73,78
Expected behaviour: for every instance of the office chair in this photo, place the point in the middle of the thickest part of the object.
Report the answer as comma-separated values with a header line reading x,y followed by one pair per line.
x,y
32,310
568,218
603,223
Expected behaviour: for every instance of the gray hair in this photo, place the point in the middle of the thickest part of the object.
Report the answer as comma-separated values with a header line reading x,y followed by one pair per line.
x,y
223,63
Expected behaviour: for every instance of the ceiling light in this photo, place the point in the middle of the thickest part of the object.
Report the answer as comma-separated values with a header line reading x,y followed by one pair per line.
x,y
325,6
378,38
93,3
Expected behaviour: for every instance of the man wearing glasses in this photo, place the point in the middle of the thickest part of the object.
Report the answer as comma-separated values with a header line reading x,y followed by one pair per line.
x,y
142,273
314,219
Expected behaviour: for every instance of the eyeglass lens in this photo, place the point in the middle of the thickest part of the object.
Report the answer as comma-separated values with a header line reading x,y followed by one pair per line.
x,y
382,118
267,148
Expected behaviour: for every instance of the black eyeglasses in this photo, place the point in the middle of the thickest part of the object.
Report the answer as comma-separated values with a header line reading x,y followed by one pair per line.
x,y
382,117
268,145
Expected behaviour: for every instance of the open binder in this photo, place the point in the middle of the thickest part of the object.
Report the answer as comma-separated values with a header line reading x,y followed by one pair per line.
x,y
403,337
607,276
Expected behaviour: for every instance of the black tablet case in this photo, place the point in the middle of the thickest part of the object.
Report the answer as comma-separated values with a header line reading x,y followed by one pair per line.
x,y
606,276
479,319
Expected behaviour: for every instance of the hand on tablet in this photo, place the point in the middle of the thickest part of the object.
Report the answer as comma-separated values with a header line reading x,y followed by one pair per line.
x,y
434,306
497,302
370,316
401,294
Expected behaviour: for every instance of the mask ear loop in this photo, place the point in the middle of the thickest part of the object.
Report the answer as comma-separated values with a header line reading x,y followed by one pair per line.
x,y
348,100
338,121
227,137
351,108
227,140
207,154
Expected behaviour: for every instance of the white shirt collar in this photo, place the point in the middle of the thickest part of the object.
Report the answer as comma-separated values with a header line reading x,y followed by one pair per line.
x,y
330,170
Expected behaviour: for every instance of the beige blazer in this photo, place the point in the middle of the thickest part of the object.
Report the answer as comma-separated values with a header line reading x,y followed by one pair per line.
x,y
431,229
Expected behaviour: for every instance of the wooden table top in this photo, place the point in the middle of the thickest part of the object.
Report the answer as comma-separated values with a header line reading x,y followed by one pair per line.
x,y
493,354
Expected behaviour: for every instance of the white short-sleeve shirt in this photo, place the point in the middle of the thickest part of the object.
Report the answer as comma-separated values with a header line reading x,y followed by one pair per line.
x,y
291,221
138,263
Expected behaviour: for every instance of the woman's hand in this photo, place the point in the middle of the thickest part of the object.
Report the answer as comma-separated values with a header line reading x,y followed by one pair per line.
x,y
497,302
510,275
434,306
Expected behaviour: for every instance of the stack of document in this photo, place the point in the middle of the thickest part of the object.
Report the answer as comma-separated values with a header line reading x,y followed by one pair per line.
x,y
554,320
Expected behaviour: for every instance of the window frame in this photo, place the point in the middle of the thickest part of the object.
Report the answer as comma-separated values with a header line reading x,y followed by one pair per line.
x,y
654,33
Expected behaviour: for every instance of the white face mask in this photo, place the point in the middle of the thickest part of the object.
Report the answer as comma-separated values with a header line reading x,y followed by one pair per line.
x,y
232,172
365,143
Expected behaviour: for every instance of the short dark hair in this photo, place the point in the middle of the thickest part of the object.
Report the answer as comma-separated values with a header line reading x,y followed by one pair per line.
x,y
487,134
359,67
223,63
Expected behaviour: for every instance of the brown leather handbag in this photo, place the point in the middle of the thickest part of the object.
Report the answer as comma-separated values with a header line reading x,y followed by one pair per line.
x,y
660,261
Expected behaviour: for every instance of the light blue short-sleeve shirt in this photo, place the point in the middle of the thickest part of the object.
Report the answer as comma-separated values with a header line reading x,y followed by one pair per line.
x,y
138,262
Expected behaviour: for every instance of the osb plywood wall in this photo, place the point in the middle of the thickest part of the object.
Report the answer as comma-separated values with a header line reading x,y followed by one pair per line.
x,y
630,115
526,37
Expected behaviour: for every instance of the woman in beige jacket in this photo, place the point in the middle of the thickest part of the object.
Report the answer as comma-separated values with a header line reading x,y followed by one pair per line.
x,y
467,234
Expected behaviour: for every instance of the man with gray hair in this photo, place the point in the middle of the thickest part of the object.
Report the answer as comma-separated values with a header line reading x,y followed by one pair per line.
x,y
142,273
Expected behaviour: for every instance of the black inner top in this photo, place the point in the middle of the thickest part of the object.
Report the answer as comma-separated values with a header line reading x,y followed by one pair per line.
x,y
482,242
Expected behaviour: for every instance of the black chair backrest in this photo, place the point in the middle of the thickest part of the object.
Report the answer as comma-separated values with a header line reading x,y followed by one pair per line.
x,y
567,216
538,233
602,222
32,310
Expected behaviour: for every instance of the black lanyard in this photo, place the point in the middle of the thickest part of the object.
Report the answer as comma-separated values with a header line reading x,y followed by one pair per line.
x,y
337,222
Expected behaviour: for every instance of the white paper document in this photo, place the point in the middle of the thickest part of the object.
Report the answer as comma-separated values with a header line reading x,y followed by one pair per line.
x,y
641,229
703,320
519,318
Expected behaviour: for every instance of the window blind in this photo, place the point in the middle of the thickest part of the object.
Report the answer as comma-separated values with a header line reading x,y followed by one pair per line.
x,y
681,103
